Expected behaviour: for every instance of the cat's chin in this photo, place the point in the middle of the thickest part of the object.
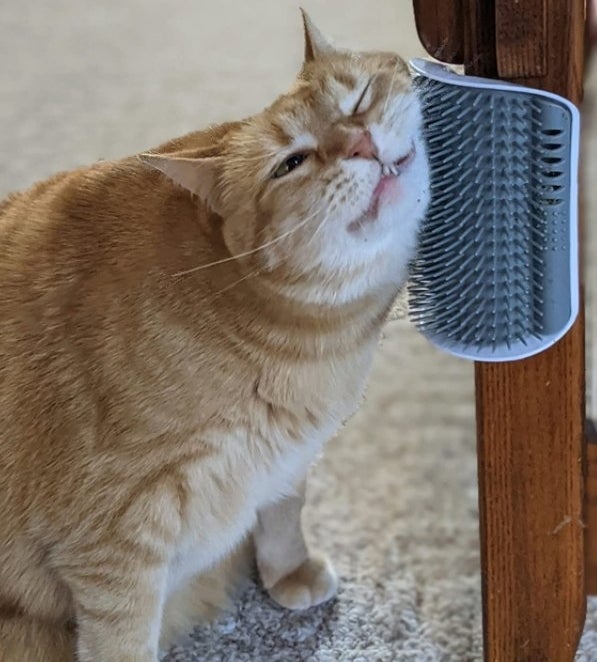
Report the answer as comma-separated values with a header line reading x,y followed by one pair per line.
x,y
386,193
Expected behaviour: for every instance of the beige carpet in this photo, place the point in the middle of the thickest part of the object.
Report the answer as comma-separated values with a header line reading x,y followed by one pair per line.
x,y
394,500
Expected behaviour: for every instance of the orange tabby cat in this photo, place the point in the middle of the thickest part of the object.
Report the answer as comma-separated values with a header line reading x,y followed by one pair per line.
x,y
180,333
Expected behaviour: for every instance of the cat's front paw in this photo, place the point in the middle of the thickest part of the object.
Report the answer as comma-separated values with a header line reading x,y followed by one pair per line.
x,y
312,583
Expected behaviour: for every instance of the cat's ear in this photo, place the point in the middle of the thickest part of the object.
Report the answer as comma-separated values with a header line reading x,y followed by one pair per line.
x,y
198,174
316,45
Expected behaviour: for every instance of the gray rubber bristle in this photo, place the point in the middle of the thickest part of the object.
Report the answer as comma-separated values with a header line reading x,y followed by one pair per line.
x,y
492,275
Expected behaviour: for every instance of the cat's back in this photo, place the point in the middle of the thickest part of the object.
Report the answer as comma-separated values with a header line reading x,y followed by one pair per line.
x,y
101,227
60,214
30,255
87,230
66,249
22,219
81,256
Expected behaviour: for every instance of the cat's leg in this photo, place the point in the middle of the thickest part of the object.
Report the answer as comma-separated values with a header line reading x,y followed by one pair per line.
x,y
119,613
36,614
294,577
117,568
206,595
26,640
118,610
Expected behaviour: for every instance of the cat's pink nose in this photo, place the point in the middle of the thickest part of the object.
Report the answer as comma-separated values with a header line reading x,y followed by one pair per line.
x,y
361,147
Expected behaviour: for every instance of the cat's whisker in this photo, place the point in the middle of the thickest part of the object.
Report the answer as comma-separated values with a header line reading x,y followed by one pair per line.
x,y
239,256
251,274
390,88
317,229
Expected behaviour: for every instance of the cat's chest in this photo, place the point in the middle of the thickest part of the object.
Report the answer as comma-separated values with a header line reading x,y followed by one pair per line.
x,y
229,489
262,458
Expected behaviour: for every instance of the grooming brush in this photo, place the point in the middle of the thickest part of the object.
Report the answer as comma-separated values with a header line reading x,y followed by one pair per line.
x,y
496,275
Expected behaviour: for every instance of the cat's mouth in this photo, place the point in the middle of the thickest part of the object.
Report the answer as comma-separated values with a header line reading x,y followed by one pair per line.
x,y
389,174
400,164
385,186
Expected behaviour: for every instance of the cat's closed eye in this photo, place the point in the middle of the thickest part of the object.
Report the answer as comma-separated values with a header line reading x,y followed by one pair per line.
x,y
290,164
363,99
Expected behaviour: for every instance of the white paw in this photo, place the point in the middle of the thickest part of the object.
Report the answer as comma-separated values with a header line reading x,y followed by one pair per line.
x,y
312,583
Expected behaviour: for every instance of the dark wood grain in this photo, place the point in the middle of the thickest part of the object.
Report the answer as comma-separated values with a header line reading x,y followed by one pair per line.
x,y
479,37
521,38
590,31
591,509
440,28
530,420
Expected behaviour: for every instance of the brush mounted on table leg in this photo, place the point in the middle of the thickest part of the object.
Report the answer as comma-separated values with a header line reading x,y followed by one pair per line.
x,y
496,276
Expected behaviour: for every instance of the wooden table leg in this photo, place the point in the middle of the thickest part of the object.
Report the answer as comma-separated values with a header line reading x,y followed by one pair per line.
x,y
531,504
530,419
591,509
591,425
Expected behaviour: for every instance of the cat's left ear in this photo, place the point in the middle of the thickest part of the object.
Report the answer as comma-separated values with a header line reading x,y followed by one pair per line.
x,y
316,45
198,174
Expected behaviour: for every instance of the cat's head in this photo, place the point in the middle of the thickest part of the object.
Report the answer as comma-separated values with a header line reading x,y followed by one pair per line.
x,y
326,185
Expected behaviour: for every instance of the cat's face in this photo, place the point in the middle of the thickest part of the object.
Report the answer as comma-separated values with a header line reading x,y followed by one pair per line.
x,y
332,178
